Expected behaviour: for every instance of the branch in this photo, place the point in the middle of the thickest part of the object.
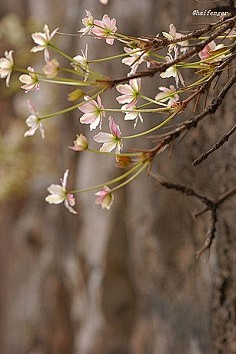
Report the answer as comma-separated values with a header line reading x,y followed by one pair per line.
x,y
221,142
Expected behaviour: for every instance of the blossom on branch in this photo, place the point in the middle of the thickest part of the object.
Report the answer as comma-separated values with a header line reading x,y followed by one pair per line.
x,y
172,34
80,143
130,92
81,62
210,50
93,112
105,29
167,94
111,140
173,71
135,58
105,198
132,113
33,122
88,22
59,194
6,66
30,81
43,39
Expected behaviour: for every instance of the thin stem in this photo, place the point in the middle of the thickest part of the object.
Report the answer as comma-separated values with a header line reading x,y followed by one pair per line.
x,y
115,180
131,178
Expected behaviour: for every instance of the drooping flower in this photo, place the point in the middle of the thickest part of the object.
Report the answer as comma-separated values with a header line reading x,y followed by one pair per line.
x,y
93,112
6,66
130,92
135,58
105,198
81,62
59,194
88,22
210,50
30,82
105,29
173,71
172,34
33,122
43,39
167,94
80,143
132,114
110,140
51,67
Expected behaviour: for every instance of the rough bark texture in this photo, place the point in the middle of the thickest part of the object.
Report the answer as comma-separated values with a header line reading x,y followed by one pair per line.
x,y
124,281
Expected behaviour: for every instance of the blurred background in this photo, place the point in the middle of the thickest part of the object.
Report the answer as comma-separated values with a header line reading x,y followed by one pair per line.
x,y
123,281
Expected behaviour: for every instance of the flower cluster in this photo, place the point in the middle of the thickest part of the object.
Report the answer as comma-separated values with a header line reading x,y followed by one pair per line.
x,y
143,59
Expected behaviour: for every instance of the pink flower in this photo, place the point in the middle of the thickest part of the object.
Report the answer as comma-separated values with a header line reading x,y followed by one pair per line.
x,y
80,144
6,66
59,194
135,58
43,39
51,67
93,112
210,50
88,22
110,141
105,197
172,34
167,94
30,81
105,29
130,92
33,122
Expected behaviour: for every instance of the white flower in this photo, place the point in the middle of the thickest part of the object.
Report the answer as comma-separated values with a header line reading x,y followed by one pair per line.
x,y
111,140
51,67
43,39
173,71
30,81
59,194
82,61
130,92
175,35
93,112
135,58
132,114
33,122
6,66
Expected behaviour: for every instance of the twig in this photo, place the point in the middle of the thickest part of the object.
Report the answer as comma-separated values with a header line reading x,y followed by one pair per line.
x,y
222,141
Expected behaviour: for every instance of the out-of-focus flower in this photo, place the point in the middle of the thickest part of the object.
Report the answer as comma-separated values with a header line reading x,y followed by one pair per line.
x,y
167,94
210,50
132,114
43,39
104,2
51,67
111,140
173,71
59,194
93,112
105,29
80,143
130,92
33,122
88,22
172,34
30,81
135,58
82,61
104,197
6,66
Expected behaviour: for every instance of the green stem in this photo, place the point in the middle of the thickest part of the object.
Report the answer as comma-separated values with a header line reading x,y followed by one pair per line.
x,y
115,180
153,129
131,178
